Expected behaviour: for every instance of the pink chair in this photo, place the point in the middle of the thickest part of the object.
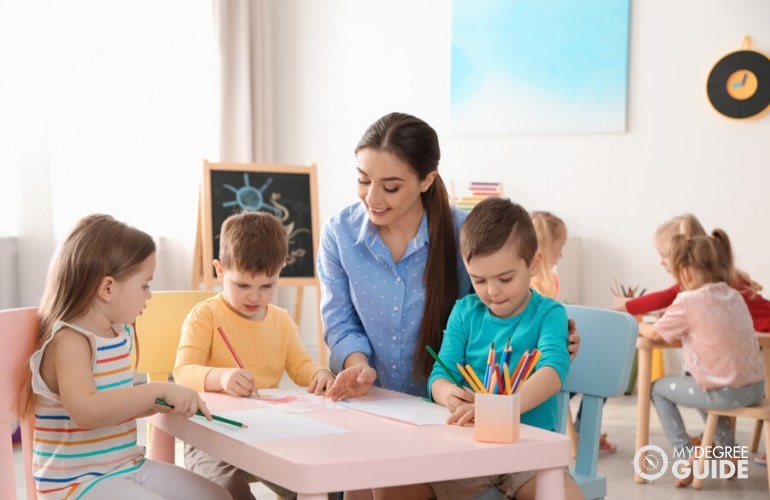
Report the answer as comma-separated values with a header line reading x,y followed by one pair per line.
x,y
17,331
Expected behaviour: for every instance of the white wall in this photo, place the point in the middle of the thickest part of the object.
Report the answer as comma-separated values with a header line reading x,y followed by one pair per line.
x,y
343,63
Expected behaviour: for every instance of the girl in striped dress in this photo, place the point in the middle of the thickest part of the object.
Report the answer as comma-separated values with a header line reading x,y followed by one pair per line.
x,y
81,383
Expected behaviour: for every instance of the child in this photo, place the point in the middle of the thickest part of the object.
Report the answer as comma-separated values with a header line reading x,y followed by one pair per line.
x,y
551,237
499,249
85,402
706,313
688,225
252,251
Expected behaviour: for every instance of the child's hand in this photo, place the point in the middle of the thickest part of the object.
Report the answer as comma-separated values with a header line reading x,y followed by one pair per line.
x,y
457,397
619,303
573,339
352,382
182,401
237,382
321,382
463,415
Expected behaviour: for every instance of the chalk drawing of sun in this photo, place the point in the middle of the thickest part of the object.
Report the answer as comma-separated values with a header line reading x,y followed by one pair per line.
x,y
249,198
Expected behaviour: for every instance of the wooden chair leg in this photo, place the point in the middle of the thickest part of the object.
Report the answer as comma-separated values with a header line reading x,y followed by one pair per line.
x,y
708,437
756,437
767,447
572,433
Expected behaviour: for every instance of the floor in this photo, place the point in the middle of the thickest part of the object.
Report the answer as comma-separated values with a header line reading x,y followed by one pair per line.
x,y
619,423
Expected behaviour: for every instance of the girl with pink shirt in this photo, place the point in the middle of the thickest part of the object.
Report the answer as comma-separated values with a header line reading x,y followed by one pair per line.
x,y
724,367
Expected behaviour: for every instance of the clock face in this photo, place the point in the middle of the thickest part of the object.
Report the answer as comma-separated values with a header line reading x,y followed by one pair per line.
x,y
738,86
650,462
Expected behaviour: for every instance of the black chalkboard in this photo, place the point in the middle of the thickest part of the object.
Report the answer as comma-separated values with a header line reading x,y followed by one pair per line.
x,y
286,191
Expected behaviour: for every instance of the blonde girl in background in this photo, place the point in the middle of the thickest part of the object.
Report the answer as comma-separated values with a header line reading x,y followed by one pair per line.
x,y
80,383
551,237
707,312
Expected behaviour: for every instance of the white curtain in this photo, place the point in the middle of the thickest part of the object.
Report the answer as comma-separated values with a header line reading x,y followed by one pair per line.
x,y
242,29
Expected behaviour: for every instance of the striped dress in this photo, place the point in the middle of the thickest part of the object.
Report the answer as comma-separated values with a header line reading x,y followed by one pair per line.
x,y
67,460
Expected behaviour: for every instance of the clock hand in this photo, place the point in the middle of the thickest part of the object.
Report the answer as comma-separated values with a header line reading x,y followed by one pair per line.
x,y
742,82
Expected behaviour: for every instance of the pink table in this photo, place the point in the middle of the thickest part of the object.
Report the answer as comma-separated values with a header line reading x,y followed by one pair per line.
x,y
377,452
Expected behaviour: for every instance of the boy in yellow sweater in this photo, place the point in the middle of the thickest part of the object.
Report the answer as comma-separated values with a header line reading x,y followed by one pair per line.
x,y
252,251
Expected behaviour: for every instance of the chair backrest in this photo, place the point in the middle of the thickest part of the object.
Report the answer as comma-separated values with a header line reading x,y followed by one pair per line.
x,y
159,327
17,333
600,370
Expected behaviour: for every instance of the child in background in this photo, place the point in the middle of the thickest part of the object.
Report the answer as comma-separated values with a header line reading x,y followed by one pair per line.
x,y
498,245
252,251
706,313
688,225
551,237
85,402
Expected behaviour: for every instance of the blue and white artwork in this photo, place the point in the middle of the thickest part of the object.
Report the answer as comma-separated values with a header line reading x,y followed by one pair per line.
x,y
533,66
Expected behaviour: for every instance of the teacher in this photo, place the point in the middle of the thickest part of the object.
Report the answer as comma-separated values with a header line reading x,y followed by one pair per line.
x,y
389,267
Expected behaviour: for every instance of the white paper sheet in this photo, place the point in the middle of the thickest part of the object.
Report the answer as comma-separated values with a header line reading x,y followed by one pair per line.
x,y
268,424
408,409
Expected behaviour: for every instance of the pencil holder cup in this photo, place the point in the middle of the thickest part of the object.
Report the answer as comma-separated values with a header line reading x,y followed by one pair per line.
x,y
497,418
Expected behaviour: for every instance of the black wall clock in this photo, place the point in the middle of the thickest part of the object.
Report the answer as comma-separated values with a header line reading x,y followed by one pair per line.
x,y
738,85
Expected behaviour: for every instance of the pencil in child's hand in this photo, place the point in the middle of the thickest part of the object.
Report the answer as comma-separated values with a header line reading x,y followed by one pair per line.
x,y
214,417
445,367
231,348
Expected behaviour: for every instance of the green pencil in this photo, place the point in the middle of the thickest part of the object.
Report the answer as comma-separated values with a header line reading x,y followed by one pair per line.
x,y
215,417
445,367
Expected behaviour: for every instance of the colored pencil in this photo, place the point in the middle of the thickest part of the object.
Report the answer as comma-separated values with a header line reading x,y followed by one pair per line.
x,y
468,378
445,367
476,379
215,417
231,348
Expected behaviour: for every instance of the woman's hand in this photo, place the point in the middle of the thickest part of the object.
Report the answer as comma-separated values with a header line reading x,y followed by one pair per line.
x,y
573,339
352,382
321,382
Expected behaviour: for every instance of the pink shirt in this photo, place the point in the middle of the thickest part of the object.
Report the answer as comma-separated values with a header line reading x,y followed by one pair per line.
x,y
718,340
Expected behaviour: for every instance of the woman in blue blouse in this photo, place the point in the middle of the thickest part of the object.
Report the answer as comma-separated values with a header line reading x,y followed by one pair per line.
x,y
389,267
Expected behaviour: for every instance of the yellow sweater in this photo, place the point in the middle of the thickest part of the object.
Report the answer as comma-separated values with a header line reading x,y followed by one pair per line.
x,y
266,347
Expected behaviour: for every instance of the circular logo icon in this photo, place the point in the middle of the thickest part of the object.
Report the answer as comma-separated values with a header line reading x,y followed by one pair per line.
x,y
650,462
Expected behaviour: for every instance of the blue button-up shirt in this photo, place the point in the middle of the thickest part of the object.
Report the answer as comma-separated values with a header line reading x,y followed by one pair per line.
x,y
369,303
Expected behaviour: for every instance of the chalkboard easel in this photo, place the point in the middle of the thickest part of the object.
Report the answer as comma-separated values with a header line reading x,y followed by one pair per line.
x,y
290,192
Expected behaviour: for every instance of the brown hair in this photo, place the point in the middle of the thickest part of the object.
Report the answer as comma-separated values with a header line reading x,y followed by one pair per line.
x,y
253,242
686,225
548,228
496,222
416,143
707,259
98,246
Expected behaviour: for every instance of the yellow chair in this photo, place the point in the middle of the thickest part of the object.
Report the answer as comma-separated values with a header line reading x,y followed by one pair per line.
x,y
157,333
760,412
17,333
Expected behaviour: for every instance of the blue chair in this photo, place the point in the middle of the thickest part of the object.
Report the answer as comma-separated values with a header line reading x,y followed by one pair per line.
x,y
600,370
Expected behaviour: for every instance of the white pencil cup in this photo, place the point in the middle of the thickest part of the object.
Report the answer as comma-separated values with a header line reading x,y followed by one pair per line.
x,y
497,418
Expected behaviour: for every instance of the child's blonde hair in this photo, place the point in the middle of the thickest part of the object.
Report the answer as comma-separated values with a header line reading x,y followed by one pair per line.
x,y
706,259
688,225
253,242
549,228
98,246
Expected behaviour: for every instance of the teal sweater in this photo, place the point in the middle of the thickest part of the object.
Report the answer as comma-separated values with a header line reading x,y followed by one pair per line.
x,y
471,328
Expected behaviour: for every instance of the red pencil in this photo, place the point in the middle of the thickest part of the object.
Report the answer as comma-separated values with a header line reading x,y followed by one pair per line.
x,y
230,346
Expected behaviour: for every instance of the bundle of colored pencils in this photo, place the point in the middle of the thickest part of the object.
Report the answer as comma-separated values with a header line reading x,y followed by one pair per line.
x,y
499,378
627,292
